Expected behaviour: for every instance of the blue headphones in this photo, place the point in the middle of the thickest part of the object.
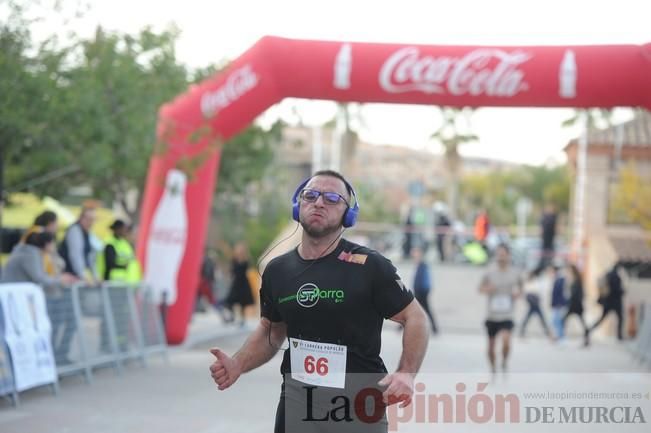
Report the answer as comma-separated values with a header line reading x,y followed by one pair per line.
x,y
350,216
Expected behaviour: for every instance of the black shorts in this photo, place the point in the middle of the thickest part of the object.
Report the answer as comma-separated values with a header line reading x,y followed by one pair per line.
x,y
493,327
293,409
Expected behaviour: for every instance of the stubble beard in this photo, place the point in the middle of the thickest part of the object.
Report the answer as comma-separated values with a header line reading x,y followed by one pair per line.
x,y
318,233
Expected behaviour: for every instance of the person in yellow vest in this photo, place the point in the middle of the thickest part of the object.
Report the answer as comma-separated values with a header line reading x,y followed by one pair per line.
x,y
119,266
118,262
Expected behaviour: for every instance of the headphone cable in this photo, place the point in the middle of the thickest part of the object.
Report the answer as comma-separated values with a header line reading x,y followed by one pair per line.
x,y
323,253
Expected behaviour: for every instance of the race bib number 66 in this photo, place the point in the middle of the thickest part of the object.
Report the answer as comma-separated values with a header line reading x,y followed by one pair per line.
x,y
320,364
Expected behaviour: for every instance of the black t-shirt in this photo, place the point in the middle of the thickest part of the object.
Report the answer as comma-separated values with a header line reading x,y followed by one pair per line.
x,y
342,298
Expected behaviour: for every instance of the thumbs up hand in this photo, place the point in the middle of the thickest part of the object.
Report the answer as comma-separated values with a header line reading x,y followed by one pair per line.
x,y
225,370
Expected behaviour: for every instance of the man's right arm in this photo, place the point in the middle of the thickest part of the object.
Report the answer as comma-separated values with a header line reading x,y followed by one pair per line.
x,y
261,345
258,349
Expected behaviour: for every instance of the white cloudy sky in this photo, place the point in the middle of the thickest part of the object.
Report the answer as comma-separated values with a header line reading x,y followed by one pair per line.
x,y
214,30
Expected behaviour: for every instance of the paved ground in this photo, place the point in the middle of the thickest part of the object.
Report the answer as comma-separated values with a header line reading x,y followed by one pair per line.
x,y
180,396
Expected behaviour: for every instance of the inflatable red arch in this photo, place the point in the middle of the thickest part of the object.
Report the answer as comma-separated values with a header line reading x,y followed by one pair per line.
x,y
183,169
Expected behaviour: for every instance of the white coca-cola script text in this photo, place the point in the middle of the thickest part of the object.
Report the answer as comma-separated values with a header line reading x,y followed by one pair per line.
x,y
485,71
237,84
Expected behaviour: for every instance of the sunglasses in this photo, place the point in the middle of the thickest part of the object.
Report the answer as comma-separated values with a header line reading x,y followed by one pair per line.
x,y
311,196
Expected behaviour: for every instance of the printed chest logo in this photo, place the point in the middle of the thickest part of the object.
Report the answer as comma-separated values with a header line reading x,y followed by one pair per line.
x,y
309,294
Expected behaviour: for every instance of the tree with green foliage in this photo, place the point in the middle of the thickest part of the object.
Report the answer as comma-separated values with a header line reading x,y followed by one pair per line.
x,y
498,192
245,200
24,89
109,102
86,114
595,117
89,110
633,196
246,156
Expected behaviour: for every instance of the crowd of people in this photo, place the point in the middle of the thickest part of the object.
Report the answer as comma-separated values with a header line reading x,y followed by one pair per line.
x,y
454,242
82,258
504,283
78,259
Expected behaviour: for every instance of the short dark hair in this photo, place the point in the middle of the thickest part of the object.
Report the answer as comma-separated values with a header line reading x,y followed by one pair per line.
x,y
338,175
118,224
45,218
39,239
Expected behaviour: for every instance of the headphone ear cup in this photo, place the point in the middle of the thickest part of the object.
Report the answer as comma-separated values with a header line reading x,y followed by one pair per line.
x,y
296,211
296,200
350,217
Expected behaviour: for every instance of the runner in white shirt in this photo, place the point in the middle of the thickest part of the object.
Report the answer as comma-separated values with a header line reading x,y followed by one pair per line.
x,y
502,282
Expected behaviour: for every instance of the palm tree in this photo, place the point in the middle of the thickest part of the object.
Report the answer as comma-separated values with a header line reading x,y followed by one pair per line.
x,y
350,135
350,139
596,117
450,137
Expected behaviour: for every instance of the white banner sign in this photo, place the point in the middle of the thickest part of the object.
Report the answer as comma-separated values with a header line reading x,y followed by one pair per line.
x,y
27,332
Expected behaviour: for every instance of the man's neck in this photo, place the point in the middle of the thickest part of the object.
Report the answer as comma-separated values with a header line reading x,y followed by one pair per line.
x,y
313,248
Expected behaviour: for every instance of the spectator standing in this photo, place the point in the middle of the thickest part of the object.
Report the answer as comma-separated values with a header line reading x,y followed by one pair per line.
x,y
558,303
423,286
77,250
25,264
611,300
120,267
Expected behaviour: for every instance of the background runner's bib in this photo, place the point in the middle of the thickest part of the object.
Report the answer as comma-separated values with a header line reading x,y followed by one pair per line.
x,y
501,303
506,283
320,364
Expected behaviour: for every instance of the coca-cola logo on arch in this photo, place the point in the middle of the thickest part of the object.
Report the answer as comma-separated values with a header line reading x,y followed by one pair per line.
x,y
237,84
484,71
169,235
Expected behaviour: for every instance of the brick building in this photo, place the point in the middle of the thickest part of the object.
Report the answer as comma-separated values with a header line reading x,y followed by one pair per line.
x,y
609,234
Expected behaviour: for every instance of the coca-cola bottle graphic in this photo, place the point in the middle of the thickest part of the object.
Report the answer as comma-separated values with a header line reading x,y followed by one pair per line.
x,y
343,67
167,239
567,75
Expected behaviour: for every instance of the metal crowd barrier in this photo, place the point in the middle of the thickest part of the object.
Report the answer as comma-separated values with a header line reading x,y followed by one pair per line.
x,y
641,346
92,327
7,387
111,324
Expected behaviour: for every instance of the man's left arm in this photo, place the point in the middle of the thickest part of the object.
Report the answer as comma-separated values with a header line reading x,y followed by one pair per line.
x,y
400,385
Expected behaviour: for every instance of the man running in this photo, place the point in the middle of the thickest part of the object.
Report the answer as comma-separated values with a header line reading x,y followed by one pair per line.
x,y
329,297
502,282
